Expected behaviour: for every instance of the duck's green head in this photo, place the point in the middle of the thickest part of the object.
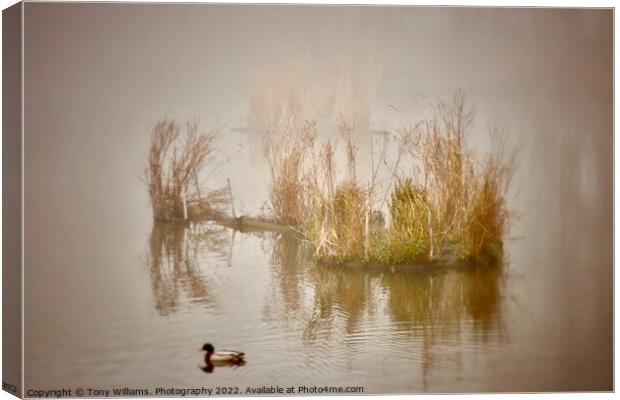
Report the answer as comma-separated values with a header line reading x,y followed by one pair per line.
x,y
208,347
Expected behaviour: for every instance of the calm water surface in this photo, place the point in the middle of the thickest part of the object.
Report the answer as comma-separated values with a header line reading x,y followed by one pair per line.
x,y
137,318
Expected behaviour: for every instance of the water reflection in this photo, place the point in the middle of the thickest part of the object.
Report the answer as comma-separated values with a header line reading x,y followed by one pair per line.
x,y
431,306
420,321
448,300
207,368
210,368
176,266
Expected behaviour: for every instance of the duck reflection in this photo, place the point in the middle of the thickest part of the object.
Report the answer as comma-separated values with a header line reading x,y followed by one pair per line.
x,y
210,367
207,368
175,273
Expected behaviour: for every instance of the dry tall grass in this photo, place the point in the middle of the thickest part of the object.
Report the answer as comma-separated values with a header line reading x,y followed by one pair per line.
x,y
467,211
448,205
342,219
287,151
409,236
489,217
336,228
177,155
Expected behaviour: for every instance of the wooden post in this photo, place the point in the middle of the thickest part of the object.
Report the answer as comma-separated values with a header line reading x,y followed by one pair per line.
x,y
232,201
198,194
430,231
366,229
184,204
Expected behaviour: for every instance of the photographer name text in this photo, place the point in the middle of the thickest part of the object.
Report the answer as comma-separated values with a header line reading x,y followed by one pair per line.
x,y
193,391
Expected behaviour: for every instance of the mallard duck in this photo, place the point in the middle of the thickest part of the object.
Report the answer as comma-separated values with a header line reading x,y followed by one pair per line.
x,y
222,356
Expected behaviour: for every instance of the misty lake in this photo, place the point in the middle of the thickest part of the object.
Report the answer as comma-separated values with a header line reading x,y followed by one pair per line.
x,y
131,307
115,300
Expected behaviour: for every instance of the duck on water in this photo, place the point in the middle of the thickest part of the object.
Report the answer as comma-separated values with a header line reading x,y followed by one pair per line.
x,y
222,356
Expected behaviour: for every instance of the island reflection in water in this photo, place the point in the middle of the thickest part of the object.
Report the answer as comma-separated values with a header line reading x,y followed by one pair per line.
x,y
410,298
174,262
428,307
350,313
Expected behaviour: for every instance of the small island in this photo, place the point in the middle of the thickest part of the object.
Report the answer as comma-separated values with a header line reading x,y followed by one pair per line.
x,y
442,203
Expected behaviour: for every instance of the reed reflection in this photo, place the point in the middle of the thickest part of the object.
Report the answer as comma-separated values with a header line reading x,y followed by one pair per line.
x,y
173,261
430,306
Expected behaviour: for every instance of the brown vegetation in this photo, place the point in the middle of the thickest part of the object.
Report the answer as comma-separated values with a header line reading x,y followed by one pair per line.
x,y
177,156
448,205
287,153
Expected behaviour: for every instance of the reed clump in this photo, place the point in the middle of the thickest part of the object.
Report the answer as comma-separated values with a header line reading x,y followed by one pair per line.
x,y
489,217
408,238
469,217
178,154
287,151
343,222
337,228
445,205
